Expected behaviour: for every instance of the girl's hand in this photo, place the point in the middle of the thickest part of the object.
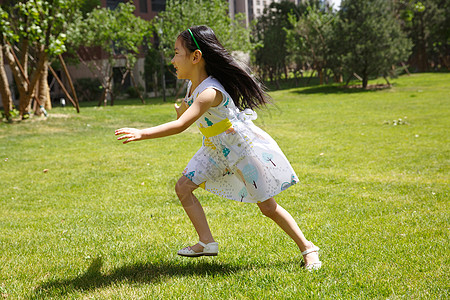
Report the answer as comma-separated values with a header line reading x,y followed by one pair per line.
x,y
129,134
180,109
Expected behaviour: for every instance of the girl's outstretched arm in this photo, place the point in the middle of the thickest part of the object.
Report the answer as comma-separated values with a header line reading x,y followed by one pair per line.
x,y
209,97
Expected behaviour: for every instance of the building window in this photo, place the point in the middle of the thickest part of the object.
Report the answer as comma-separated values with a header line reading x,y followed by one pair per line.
x,y
112,4
258,2
143,6
158,5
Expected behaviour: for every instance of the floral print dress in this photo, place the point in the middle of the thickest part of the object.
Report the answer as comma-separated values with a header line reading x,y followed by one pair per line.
x,y
244,163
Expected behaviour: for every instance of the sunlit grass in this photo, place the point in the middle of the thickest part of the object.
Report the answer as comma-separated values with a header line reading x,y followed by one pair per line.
x,y
103,220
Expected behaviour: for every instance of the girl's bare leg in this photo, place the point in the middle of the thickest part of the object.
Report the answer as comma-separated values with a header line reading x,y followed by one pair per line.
x,y
194,210
271,209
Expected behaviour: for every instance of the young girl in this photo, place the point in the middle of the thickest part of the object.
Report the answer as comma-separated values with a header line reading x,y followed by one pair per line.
x,y
237,159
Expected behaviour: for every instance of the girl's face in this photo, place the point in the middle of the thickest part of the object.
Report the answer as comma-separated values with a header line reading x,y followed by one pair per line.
x,y
182,60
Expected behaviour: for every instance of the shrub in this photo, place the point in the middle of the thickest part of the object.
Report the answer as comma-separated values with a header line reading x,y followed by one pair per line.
x,y
88,89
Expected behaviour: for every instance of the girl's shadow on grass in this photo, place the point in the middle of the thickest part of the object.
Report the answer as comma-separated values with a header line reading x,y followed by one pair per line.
x,y
93,278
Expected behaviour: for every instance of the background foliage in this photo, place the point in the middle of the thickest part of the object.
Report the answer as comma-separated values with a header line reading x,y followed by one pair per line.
x,y
371,38
364,39
180,15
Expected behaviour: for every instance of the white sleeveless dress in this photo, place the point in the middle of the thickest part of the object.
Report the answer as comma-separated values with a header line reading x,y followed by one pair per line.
x,y
247,165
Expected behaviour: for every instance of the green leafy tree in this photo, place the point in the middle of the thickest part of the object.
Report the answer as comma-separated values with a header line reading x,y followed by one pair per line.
x,y
152,69
371,38
271,53
33,33
180,15
118,33
427,23
309,38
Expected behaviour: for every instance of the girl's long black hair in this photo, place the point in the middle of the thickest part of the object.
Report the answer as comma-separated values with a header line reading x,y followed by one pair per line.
x,y
243,88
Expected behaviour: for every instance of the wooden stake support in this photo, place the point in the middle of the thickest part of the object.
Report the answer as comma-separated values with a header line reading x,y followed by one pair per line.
x,y
66,71
75,104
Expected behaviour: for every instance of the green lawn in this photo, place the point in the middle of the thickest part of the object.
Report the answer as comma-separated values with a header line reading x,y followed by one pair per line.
x,y
103,222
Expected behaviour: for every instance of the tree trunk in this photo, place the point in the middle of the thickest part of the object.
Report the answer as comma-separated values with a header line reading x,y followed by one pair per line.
x,y
25,86
110,90
24,105
387,81
107,90
48,105
365,81
21,65
286,73
320,74
43,91
422,56
102,98
24,55
338,77
155,83
19,77
5,92
26,99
